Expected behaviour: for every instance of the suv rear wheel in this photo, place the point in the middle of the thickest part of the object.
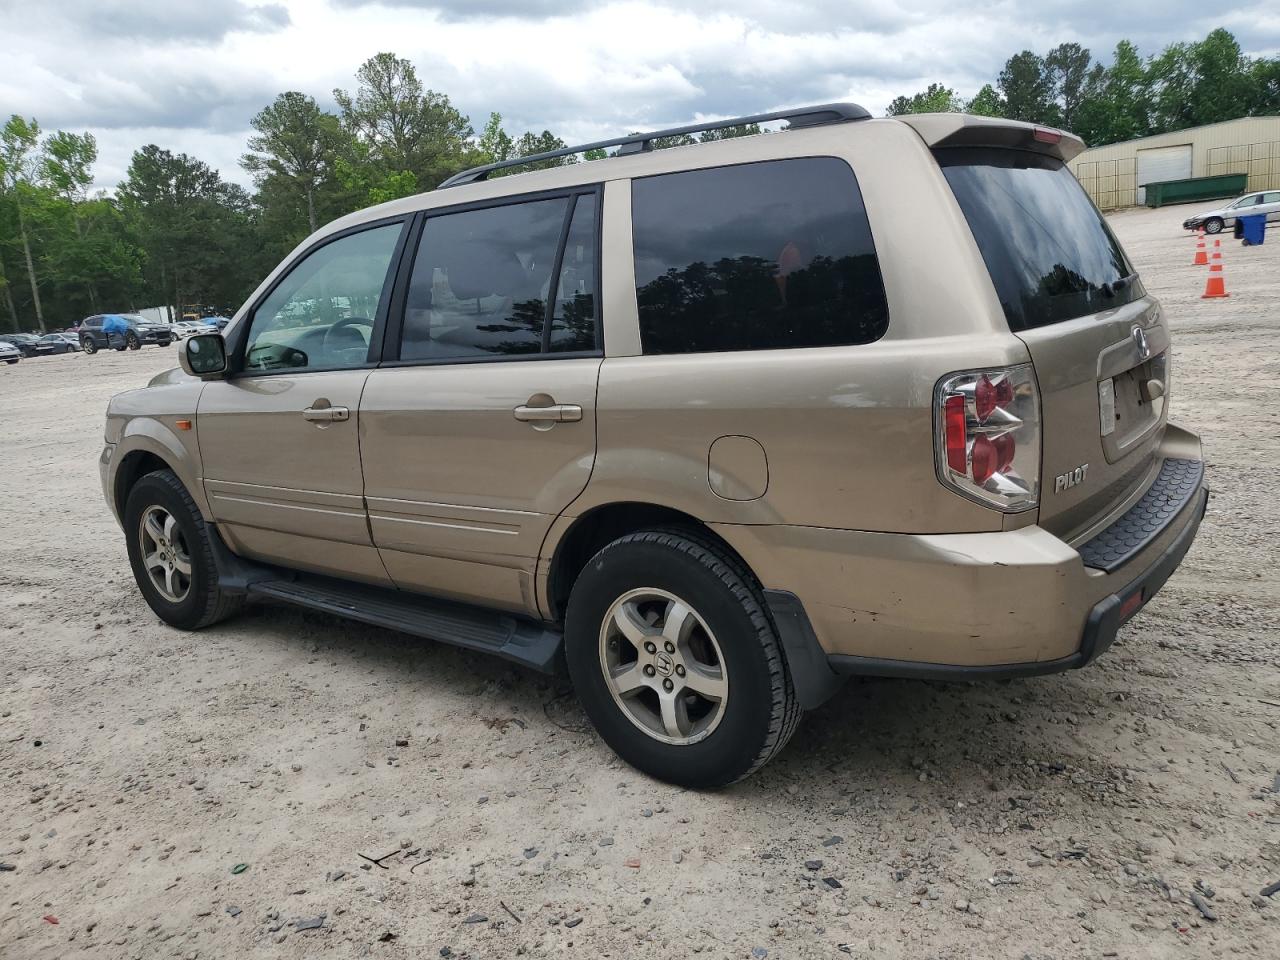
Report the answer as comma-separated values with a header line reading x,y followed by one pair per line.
x,y
131,341
676,661
171,555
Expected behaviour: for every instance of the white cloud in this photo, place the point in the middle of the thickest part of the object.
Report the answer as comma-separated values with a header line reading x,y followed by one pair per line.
x,y
189,75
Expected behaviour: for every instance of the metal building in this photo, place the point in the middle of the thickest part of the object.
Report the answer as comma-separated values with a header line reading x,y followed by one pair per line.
x,y
1114,175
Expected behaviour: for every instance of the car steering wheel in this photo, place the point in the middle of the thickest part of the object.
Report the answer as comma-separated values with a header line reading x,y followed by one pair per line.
x,y
343,324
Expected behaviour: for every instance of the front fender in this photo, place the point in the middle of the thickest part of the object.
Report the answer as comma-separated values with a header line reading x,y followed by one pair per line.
x,y
181,455
146,422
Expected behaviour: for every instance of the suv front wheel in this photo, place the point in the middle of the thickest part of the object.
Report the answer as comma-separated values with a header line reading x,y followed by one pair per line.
x,y
171,554
88,345
676,661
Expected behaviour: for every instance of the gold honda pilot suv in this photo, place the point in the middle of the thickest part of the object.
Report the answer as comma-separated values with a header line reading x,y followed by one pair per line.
x,y
711,427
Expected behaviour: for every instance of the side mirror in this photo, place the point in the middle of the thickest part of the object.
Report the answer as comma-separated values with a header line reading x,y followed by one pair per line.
x,y
204,355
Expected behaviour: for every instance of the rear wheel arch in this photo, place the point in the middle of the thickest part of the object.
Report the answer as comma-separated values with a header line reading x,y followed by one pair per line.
x,y
602,525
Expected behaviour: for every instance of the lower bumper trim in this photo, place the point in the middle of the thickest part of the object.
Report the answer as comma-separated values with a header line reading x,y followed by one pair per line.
x,y
915,670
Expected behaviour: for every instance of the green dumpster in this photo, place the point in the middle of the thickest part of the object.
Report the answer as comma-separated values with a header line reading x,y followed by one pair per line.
x,y
1196,188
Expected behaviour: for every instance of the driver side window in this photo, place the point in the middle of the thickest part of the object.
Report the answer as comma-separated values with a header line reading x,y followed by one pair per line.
x,y
321,315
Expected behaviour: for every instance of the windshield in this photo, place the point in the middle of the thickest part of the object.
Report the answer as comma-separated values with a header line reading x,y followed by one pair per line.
x,y
1050,254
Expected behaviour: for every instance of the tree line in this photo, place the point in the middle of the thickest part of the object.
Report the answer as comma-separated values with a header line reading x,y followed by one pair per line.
x,y
175,232
1185,85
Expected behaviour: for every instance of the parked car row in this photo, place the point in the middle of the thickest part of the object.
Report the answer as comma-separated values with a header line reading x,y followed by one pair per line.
x,y
125,331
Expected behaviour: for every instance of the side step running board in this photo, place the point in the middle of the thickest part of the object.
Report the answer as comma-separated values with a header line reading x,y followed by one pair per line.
x,y
475,628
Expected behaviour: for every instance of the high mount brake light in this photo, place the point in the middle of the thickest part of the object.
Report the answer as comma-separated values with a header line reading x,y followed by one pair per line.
x,y
988,436
1046,136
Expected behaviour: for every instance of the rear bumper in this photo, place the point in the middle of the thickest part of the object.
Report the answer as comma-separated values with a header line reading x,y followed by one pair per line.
x,y
966,606
1101,625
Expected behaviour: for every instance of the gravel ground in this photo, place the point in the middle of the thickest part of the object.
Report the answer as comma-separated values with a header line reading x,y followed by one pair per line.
x,y
1082,815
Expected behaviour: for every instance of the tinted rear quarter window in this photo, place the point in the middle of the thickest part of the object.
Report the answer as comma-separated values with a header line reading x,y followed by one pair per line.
x,y
1050,253
758,256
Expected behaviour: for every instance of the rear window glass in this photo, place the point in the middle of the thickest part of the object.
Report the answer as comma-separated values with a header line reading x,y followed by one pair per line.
x,y
1050,254
760,256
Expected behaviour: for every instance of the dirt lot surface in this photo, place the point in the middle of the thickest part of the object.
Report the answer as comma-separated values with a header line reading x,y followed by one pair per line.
x,y
1068,816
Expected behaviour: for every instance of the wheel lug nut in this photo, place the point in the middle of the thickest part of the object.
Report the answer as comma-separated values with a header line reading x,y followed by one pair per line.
x,y
671,647
679,671
649,671
667,685
649,647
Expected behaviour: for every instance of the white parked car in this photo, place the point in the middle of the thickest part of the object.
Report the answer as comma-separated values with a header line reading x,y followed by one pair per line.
x,y
185,328
1251,204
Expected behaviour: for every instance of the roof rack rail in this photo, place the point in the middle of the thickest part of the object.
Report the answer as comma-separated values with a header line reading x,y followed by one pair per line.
x,y
637,142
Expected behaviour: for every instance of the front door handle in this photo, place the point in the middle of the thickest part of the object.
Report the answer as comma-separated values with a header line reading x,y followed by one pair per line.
x,y
326,414
555,413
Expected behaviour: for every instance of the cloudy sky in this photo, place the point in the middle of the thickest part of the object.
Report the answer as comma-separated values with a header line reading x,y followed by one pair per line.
x,y
189,75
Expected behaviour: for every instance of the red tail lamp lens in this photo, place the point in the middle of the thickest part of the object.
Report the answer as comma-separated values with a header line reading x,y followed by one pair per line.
x,y
989,394
984,397
955,429
1005,447
985,460
1046,136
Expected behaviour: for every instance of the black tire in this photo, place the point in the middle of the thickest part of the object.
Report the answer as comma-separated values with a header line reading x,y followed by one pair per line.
x,y
12,360
761,711
204,603
1213,225
131,341
89,345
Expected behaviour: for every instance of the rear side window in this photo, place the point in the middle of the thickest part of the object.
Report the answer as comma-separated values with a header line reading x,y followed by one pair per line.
x,y
1050,254
761,256
484,282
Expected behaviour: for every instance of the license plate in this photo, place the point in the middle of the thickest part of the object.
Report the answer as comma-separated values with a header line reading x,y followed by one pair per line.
x,y
1107,406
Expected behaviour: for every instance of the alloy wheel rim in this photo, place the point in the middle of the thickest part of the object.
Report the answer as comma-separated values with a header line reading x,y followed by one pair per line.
x,y
165,554
663,666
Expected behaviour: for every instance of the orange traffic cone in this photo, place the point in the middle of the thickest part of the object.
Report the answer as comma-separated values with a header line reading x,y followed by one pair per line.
x,y
1214,286
1202,256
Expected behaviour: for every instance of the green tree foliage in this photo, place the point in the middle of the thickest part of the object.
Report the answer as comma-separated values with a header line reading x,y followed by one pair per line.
x,y
1026,85
195,229
1204,82
935,99
729,133
1185,85
494,144
294,148
1069,68
986,103
401,128
1119,105
531,144
19,167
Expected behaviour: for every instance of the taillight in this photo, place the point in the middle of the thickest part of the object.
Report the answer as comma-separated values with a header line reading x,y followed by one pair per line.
x,y
988,436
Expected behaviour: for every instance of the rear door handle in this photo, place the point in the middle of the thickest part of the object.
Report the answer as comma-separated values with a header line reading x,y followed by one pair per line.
x,y
556,413
326,414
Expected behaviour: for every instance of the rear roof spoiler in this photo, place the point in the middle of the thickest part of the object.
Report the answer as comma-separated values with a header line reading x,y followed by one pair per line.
x,y
965,130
